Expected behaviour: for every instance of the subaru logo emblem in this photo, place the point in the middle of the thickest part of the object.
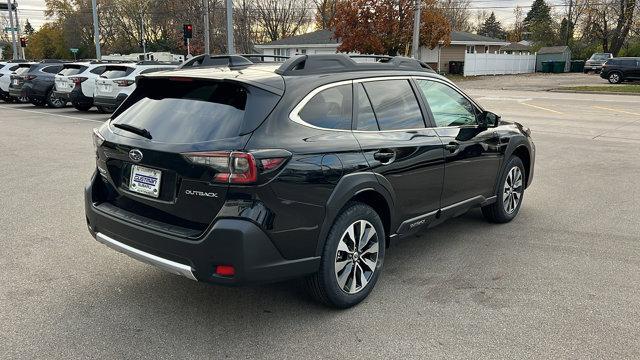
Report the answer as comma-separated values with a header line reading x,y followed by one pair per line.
x,y
135,155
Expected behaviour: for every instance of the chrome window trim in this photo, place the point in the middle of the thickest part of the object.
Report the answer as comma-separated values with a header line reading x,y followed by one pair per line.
x,y
295,117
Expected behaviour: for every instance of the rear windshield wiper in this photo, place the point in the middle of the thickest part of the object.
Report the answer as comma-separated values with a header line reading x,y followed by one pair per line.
x,y
136,130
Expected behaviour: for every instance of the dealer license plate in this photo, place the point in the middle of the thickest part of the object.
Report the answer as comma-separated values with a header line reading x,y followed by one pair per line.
x,y
145,181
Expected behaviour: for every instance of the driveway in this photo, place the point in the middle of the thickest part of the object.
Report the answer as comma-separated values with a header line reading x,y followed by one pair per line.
x,y
530,82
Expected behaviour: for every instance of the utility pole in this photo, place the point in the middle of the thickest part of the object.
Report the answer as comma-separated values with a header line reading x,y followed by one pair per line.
x,y
96,30
207,49
142,39
415,46
569,23
20,49
13,33
230,48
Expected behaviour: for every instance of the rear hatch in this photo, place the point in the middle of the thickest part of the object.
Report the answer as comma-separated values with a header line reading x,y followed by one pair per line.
x,y
69,76
166,152
108,84
18,76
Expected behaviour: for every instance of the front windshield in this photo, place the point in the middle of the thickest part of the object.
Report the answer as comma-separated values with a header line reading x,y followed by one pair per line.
x,y
600,57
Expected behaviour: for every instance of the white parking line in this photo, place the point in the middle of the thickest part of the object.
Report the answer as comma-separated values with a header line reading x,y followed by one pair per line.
x,y
51,114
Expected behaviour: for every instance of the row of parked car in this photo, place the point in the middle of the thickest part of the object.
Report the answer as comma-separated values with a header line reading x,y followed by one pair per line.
x,y
54,83
615,70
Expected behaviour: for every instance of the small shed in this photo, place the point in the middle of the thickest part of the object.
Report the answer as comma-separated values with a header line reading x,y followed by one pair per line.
x,y
554,53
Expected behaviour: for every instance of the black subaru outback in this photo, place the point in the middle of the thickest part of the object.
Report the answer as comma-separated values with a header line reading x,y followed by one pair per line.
x,y
254,173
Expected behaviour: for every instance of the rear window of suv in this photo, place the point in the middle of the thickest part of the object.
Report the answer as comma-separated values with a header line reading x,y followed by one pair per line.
x,y
114,72
69,70
195,111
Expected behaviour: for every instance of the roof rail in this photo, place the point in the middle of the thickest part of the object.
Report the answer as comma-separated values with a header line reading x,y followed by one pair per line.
x,y
263,56
111,61
156,62
317,64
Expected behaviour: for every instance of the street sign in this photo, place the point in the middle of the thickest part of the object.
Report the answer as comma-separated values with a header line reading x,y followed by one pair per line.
x,y
74,50
8,28
6,6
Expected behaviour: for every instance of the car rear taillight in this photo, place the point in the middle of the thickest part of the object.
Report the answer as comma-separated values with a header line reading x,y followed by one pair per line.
x,y
124,83
234,167
29,77
78,79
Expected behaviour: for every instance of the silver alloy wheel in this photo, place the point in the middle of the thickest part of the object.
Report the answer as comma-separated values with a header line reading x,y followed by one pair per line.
x,y
55,101
356,257
512,192
614,78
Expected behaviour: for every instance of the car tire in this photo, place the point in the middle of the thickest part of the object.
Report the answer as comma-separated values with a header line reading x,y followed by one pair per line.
x,y
614,77
55,102
348,272
105,110
82,107
510,193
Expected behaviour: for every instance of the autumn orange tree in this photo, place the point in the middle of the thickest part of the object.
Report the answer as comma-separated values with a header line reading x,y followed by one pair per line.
x,y
386,26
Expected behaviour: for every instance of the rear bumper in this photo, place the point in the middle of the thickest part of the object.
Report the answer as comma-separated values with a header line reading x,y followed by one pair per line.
x,y
109,102
230,241
33,92
595,68
78,98
15,92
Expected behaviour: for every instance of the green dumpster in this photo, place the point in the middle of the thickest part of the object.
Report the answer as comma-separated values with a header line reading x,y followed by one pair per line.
x,y
558,66
577,66
546,66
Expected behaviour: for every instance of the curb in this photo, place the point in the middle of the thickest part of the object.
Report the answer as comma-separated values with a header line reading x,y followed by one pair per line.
x,y
592,92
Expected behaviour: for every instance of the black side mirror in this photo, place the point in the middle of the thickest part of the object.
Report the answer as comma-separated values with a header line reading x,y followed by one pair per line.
x,y
488,119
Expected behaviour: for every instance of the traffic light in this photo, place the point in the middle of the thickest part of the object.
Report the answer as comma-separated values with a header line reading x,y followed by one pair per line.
x,y
188,31
23,42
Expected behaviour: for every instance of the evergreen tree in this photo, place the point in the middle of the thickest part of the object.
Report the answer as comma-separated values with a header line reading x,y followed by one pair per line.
x,y
28,29
539,25
492,28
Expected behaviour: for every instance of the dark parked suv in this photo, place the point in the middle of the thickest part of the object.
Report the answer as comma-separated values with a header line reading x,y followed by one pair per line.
x,y
309,169
38,83
621,69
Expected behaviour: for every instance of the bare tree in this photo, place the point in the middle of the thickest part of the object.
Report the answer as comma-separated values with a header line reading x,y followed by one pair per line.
x,y
325,11
283,18
458,14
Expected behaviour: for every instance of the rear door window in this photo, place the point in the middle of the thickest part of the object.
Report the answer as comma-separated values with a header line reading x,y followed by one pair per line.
x,y
329,109
394,104
194,111
366,120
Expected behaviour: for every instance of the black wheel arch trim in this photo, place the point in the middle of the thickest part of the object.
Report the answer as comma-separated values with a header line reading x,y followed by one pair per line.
x,y
515,143
348,187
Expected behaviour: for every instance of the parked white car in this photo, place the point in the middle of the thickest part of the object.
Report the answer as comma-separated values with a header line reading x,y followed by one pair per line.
x,y
76,82
6,69
119,81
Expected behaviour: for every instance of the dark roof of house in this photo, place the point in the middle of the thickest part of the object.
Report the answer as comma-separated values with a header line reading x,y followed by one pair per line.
x,y
315,37
326,37
515,47
553,50
465,36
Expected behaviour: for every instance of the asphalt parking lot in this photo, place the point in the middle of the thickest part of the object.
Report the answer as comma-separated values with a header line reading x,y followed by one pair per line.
x,y
560,281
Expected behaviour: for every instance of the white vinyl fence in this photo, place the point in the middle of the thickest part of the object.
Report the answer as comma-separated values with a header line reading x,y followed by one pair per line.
x,y
496,64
